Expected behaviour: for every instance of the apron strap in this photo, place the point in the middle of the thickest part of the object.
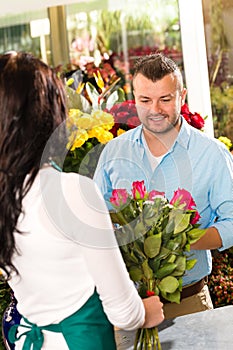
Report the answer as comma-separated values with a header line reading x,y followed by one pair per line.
x,y
34,336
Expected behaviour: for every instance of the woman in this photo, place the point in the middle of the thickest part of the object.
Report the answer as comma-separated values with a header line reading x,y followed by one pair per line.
x,y
58,249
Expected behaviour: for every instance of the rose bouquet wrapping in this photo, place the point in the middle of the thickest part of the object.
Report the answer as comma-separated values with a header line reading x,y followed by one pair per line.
x,y
154,236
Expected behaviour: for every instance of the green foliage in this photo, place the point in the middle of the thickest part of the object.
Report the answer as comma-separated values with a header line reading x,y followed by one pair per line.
x,y
83,160
222,105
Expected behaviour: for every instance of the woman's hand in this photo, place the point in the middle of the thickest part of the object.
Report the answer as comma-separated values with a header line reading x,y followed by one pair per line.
x,y
154,311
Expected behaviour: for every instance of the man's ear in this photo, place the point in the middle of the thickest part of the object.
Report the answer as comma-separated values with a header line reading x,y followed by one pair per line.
x,y
183,96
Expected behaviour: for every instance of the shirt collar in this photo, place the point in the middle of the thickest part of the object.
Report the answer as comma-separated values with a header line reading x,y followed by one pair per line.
x,y
184,134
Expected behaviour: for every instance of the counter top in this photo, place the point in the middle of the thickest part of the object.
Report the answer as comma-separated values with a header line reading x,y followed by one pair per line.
x,y
206,330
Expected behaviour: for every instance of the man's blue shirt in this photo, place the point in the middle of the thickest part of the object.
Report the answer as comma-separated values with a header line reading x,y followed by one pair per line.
x,y
200,164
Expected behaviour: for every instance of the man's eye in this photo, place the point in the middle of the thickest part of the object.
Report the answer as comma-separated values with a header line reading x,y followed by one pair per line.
x,y
145,100
166,99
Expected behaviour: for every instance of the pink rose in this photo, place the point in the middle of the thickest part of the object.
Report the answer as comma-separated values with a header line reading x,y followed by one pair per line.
x,y
153,194
195,219
119,197
138,190
183,198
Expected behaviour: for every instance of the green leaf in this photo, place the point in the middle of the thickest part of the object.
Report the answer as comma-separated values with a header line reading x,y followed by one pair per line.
x,y
171,258
195,234
181,221
172,297
190,264
181,266
138,249
165,270
135,273
148,272
155,264
77,101
164,253
168,284
170,226
172,245
121,95
133,257
140,229
184,239
152,245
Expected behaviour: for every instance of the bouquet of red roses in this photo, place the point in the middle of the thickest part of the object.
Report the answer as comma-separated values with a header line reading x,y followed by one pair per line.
x,y
154,236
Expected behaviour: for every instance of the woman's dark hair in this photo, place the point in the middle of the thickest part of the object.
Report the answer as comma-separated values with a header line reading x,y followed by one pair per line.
x,y
32,106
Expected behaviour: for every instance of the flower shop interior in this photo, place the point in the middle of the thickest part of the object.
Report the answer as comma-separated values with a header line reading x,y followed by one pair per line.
x,y
85,38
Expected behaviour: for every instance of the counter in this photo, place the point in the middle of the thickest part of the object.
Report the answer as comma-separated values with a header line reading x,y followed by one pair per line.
x,y
206,330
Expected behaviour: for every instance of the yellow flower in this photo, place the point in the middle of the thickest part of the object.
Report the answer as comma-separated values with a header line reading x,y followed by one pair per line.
x,y
120,131
77,139
85,121
102,135
105,137
73,116
99,80
80,88
70,81
226,141
94,125
103,119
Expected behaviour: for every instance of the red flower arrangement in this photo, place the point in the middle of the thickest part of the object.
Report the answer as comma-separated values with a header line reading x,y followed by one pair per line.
x,y
125,116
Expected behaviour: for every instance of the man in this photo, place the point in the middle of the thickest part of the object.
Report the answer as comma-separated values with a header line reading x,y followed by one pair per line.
x,y
167,153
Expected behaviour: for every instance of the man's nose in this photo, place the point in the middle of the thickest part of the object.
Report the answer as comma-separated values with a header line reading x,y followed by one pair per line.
x,y
155,107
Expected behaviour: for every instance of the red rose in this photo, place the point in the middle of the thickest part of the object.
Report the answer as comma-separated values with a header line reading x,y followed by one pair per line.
x,y
194,119
133,122
150,293
197,121
185,109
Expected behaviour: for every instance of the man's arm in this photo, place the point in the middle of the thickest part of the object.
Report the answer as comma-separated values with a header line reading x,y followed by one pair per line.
x,y
211,240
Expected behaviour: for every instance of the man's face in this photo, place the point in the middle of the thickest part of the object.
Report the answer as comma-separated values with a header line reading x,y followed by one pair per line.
x,y
159,103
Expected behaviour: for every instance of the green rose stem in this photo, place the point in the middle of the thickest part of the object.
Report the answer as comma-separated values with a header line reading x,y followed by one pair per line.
x,y
148,338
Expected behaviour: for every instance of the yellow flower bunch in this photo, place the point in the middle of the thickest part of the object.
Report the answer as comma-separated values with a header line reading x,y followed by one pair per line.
x,y
84,126
226,141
